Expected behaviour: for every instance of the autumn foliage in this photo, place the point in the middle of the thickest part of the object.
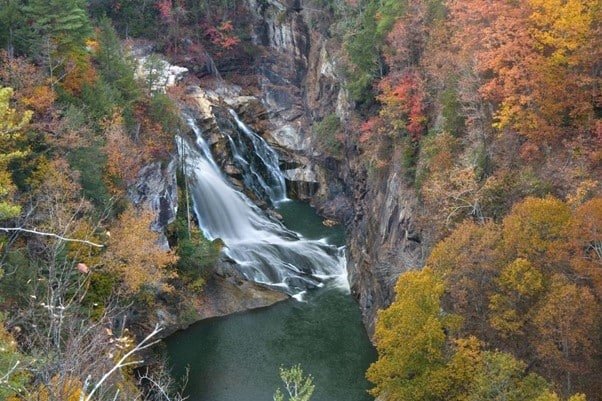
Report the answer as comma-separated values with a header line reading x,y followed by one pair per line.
x,y
520,286
134,252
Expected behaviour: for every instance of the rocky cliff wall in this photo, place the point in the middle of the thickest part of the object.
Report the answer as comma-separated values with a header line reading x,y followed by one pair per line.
x,y
302,81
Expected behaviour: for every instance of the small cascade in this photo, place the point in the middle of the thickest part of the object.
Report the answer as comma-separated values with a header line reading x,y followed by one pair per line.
x,y
259,163
264,250
211,67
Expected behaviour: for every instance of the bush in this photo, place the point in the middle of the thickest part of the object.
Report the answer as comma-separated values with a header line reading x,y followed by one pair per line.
x,y
454,121
163,111
196,254
91,162
99,292
328,134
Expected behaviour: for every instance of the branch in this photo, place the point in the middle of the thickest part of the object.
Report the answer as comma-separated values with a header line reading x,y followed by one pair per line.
x,y
4,379
121,363
25,230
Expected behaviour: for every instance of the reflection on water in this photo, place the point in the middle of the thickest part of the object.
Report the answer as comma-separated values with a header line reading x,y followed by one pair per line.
x,y
237,358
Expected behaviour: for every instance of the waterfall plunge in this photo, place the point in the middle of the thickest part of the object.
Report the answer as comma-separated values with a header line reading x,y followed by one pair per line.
x,y
264,250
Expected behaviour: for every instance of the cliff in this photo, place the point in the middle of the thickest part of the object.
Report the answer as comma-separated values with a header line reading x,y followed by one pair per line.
x,y
302,83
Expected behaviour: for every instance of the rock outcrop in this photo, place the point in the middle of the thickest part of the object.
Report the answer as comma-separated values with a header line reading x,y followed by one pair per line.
x,y
156,189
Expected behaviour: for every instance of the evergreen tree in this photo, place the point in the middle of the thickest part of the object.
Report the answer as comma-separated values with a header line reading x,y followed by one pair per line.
x,y
57,33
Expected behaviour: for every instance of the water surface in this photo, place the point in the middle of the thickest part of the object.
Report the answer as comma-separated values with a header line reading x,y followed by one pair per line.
x,y
236,358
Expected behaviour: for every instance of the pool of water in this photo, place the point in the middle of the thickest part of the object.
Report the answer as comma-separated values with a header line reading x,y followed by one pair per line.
x,y
236,358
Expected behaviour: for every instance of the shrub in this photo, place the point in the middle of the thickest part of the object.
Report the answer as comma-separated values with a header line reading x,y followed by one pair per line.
x,y
328,134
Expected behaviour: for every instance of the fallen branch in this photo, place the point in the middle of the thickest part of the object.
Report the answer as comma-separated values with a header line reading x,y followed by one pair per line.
x,y
25,230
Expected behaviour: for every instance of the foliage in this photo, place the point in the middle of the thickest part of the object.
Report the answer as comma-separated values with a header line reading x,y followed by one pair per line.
x,y
535,228
543,92
115,65
63,23
196,254
519,285
361,46
163,111
410,339
403,108
513,283
329,134
298,387
585,233
565,324
469,260
11,131
90,162
13,376
419,359
134,253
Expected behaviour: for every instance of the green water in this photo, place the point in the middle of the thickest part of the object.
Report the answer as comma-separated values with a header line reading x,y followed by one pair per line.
x,y
236,358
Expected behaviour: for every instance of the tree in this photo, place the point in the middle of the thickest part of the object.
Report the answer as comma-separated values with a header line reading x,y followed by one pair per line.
x,y
403,104
566,325
65,23
11,131
535,230
533,62
59,31
298,386
124,158
586,241
134,252
115,65
11,21
172,14
419,360
500,376
410,339
469,261
13,376
519,286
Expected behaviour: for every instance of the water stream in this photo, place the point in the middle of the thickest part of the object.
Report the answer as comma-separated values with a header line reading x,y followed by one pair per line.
x,y
264,249
236,358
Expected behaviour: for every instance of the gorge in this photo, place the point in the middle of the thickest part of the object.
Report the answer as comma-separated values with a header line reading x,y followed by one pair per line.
x,y
399,197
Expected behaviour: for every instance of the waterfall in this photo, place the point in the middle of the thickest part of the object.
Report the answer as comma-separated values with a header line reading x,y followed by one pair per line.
x,y
264,250
259,163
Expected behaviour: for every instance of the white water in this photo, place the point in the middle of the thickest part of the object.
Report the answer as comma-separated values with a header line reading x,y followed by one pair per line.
x,y
264,250
259,162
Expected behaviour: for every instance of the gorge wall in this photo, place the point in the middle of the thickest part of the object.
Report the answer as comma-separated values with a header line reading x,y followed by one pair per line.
x,y
302,81
295,80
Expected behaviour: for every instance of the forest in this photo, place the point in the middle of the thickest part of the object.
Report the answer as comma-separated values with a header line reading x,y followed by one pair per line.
x,y
492,110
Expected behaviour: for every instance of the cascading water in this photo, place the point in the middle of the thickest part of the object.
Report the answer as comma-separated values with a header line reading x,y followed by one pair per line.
x,y
259,163
264,250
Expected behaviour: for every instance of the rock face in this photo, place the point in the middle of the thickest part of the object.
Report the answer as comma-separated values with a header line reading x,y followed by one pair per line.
x,y
383,242
301,83
223,294
156,189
